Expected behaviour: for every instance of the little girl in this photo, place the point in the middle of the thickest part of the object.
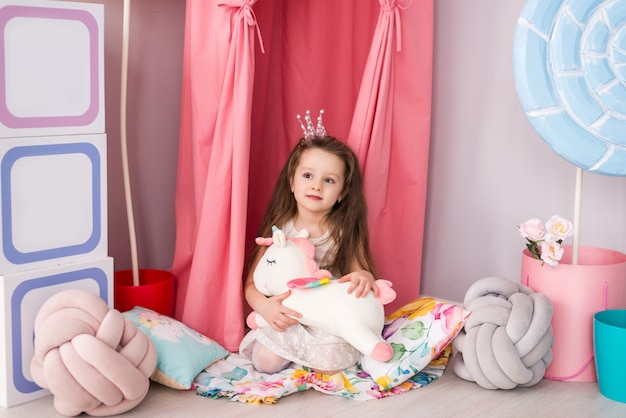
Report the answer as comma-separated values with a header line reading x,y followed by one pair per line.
x,y
319,189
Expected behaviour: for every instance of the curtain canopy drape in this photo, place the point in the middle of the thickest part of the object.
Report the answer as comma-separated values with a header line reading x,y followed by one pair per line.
x,y
390,133
211,194
366,63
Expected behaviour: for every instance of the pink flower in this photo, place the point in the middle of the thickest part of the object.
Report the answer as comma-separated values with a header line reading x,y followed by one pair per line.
x,y
449,315
532,229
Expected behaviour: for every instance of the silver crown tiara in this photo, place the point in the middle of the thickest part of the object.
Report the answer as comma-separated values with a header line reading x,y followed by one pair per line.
x,y
309,130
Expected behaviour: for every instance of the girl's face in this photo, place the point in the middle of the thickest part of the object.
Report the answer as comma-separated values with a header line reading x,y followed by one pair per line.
x,y
318,181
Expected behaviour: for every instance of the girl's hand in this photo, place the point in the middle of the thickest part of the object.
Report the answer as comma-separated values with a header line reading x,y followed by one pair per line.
x,y
276,314
361,282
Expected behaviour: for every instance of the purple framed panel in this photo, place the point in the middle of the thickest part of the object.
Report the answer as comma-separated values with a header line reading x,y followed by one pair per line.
x,y
12,121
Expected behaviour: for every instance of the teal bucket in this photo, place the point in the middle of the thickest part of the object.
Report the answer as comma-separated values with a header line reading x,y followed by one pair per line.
x,y
609,342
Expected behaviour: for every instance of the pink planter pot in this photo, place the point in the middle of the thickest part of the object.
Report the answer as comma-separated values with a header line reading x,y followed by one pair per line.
x,y
155,291
577,292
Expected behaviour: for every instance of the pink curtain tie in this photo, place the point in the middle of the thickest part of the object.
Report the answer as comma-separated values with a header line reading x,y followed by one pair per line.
x,y
393,6
248,15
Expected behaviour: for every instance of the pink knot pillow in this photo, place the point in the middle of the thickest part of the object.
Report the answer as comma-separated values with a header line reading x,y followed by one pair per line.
x,y
91,358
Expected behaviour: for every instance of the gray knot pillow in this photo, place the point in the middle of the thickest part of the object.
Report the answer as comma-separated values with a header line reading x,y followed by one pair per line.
x,y
507,340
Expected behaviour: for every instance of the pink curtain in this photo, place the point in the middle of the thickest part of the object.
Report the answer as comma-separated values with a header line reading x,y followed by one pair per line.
x,y
316,52
212,184
320,54
390,133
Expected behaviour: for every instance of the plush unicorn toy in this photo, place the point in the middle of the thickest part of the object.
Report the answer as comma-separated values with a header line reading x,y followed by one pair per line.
x,y
323,302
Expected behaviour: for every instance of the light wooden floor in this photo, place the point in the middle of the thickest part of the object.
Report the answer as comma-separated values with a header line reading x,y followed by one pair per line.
x,y
446,397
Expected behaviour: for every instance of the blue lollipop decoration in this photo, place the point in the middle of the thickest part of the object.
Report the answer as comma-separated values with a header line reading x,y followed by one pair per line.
x,y
569,63
569,60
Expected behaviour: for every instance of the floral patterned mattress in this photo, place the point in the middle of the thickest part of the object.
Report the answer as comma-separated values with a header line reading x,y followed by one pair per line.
x,y
236,379
420,332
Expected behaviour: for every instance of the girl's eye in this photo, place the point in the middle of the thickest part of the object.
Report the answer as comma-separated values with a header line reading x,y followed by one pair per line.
x,y
270,262
330,181
307,175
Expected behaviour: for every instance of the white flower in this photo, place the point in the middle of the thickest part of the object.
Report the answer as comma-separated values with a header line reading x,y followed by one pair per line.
x,y
559,227
551,252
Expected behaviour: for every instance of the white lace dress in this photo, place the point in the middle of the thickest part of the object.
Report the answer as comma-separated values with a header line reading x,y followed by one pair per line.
x,y
306,346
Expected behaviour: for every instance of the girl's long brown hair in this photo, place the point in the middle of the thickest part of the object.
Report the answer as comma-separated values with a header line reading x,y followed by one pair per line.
x,y
347,220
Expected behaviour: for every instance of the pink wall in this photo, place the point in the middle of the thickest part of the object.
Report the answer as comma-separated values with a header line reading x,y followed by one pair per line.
x,y
489,170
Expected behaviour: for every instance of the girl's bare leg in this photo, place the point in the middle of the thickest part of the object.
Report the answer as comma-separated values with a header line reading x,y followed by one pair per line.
x,y
265,361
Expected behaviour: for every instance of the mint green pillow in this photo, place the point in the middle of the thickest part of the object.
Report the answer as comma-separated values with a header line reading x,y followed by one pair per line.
x,y
182,353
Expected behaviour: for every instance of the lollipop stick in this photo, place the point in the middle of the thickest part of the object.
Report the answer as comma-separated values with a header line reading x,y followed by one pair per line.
x,y
577,201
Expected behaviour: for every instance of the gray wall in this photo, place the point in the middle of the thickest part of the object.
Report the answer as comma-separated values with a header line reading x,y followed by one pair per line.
x,y
154,83
489,169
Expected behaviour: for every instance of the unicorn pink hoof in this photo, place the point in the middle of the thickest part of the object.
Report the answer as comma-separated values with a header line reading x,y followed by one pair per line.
x,y
382,352
251,321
